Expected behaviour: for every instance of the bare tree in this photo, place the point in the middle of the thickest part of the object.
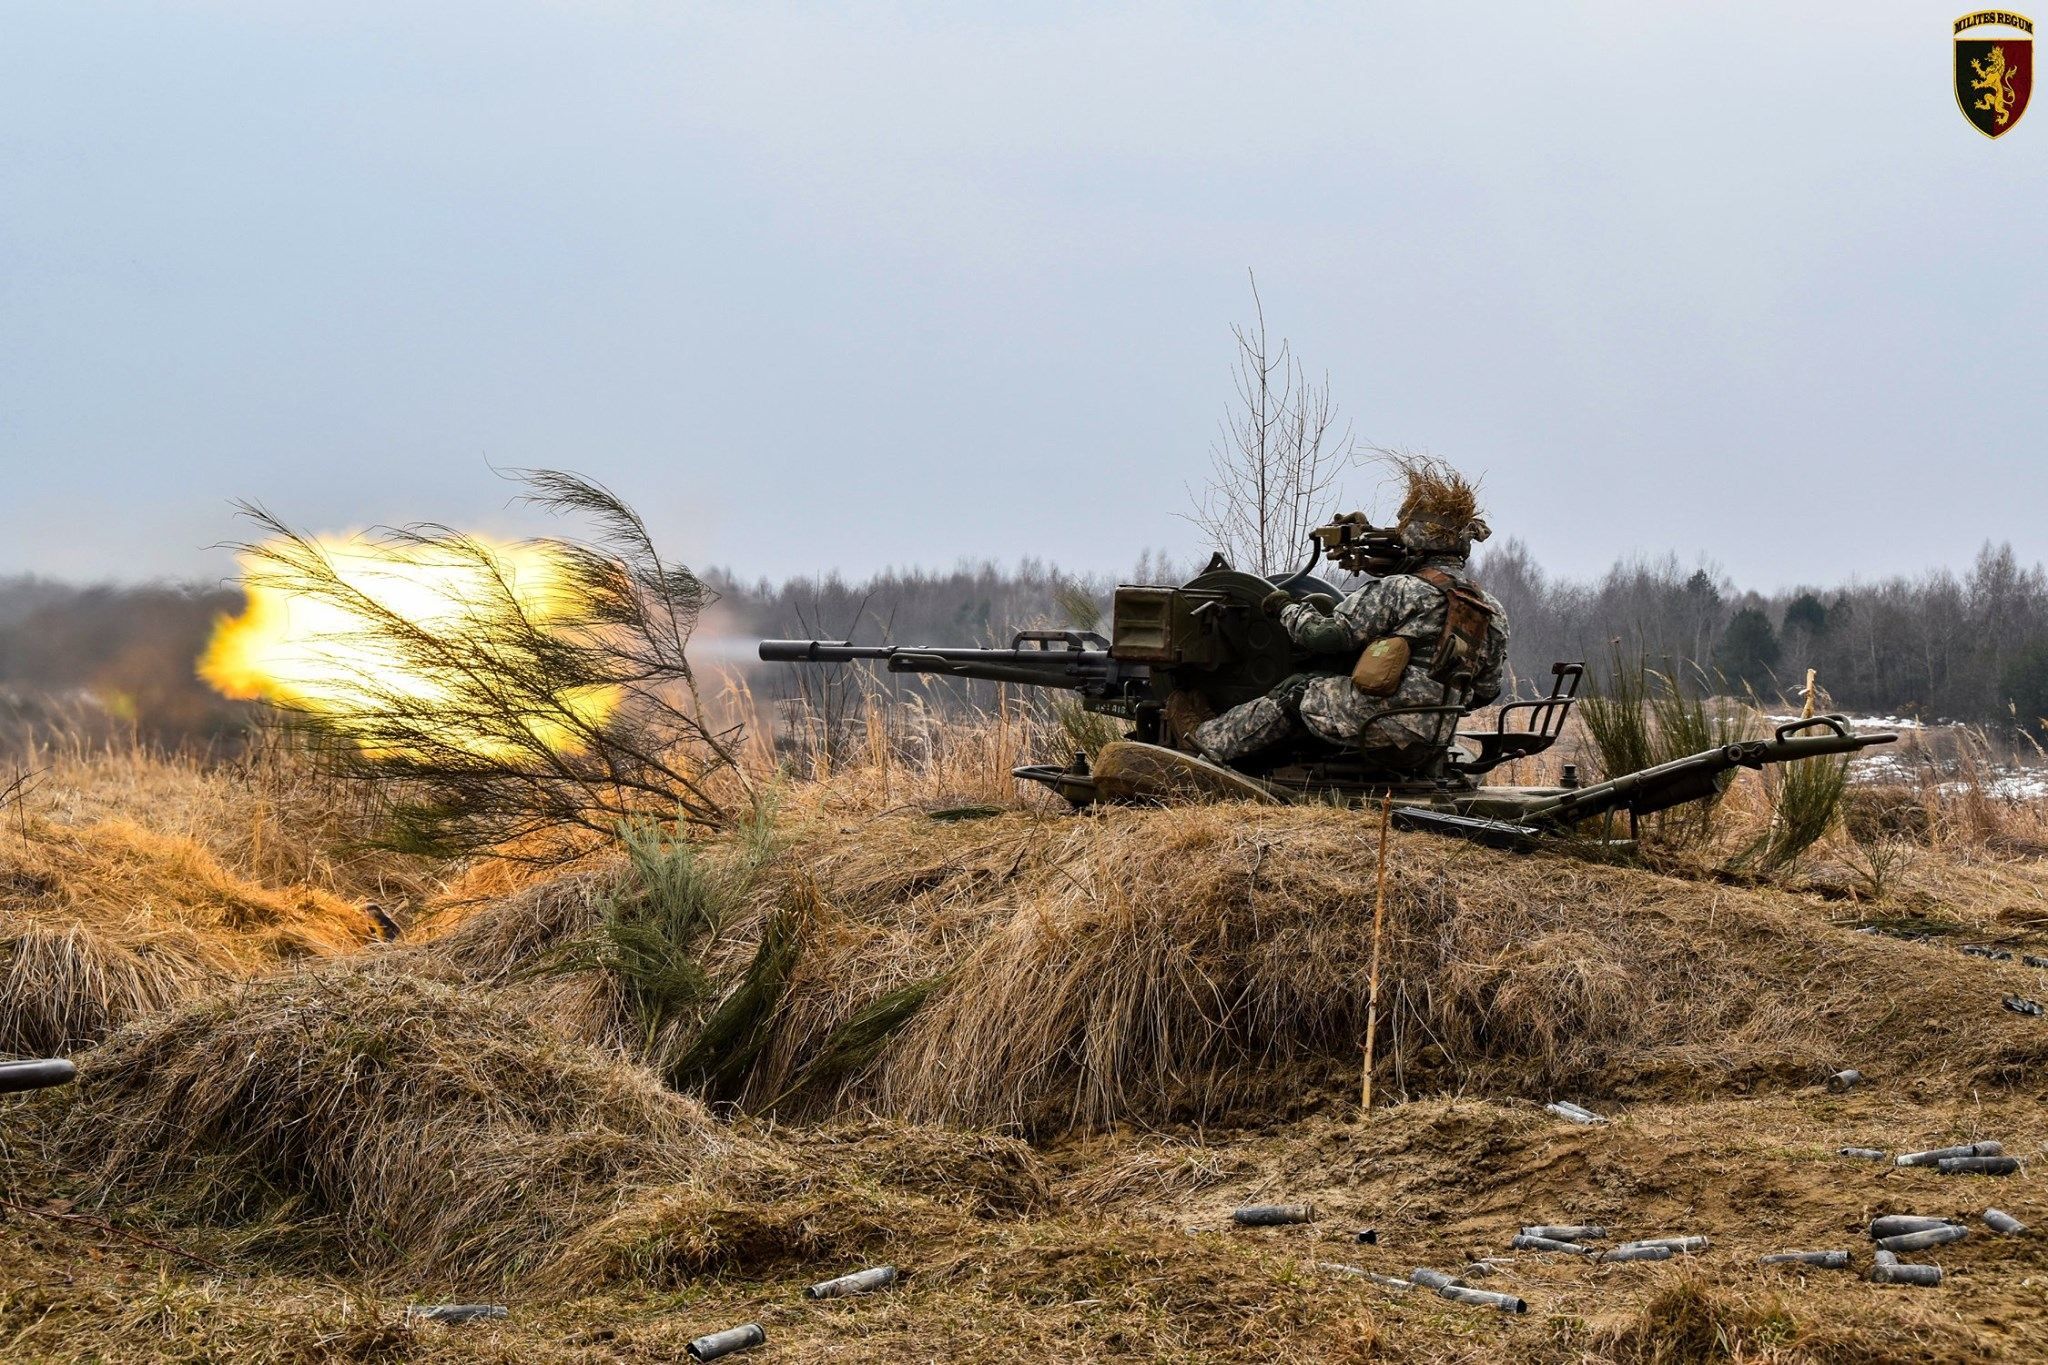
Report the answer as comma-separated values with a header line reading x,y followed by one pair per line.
x,y
1274,471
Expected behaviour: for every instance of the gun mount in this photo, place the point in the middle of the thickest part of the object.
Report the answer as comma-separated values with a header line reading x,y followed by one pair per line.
x,y
1211,637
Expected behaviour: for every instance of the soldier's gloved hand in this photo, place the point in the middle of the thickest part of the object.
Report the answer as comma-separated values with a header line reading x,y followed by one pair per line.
x,y
1275,600
1324,604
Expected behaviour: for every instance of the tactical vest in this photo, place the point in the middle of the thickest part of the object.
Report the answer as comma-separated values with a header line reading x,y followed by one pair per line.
x,y
1466,618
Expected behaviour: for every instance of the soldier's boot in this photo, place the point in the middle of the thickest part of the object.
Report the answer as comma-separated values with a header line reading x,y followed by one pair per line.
x,y
1242,730
1184,711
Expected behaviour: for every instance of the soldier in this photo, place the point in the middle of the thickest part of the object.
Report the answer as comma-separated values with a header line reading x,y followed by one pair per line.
x,y
1425,635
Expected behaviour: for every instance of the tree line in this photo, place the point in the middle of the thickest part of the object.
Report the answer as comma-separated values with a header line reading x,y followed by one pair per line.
x,y
1969,646
1938,645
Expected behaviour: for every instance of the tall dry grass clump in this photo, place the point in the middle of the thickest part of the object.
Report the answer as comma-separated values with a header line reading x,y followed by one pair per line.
x,y
66,986
111,921
380,1122
264,812
1210,962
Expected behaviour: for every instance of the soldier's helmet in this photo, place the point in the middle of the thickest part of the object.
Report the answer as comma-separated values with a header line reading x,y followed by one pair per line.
x,y
1440,512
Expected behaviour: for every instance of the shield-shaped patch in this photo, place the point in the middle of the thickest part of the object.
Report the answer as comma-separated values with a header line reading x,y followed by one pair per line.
x,y
1994,69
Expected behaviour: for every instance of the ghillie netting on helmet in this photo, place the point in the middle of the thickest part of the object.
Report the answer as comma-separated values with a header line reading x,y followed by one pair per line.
x,y
1439,510
490,694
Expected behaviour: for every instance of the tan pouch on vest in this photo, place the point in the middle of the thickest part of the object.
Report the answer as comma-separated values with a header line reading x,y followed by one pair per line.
x,y
1379,668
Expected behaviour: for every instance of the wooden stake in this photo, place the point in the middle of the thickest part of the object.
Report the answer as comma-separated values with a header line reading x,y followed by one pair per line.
x,y
1372,992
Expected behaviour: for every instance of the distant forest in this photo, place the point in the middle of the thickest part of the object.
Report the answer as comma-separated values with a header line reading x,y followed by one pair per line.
x,y
1972,647
1940,645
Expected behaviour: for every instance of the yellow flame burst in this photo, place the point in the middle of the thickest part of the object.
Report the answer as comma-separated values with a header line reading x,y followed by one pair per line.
x,y
313,653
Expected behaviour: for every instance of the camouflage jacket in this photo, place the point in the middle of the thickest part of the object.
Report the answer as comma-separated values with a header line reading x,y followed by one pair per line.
x,y
1403,605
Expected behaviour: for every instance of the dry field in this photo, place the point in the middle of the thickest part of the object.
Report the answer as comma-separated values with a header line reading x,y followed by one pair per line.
x,y
1033,1058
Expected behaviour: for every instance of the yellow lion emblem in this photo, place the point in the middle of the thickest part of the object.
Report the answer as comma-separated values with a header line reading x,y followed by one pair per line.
x,y
1994,77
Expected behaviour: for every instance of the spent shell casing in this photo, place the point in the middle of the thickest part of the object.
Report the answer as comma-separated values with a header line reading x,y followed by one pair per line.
x,y
1920,1241
1383,1281
1978,1165
1273,1215
1567,1232
1938,1154
1367,1237
452,1313
1899,1224
1573,1112
1827,1260
1432,1279
859,1282
1861,1153
1683,1245
1525,1242
1887,1257
1647,1253
1842,1080
2001,1221
1926,1276
1482,1298
741,1338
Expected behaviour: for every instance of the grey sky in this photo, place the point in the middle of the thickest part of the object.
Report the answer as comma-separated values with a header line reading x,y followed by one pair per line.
x,y
828,287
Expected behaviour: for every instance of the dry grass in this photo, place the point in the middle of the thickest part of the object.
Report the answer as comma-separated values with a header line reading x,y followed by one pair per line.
x,y
110,921
1159,964
1167,1002
378,1122
266,815
1057,972
66,986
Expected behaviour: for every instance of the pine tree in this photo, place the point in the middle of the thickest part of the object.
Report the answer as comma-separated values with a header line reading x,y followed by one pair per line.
x,y
1749,650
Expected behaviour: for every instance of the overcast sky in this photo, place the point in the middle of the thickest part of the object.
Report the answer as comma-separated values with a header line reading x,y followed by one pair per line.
x,y
825,286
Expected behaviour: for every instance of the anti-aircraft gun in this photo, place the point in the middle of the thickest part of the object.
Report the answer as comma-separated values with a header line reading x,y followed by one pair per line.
x,y
1212,637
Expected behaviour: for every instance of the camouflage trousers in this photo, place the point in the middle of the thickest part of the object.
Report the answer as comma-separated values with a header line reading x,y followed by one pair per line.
x,y
1264,721
1259,723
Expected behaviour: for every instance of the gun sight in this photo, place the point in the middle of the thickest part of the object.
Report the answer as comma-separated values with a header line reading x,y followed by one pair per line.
x,y
1354,544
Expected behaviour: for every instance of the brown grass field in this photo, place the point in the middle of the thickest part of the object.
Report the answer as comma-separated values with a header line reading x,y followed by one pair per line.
x,y
1102,1032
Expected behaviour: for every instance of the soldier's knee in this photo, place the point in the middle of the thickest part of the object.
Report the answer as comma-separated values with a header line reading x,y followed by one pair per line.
x,y
1290,691
1243,730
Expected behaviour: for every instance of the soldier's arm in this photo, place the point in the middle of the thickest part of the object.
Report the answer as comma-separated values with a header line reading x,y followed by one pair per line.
x,y
1364,616
1493,660
1486,686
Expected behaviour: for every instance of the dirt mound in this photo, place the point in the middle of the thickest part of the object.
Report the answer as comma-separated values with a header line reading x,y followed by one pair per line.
x,y
384,1122
1212,962
109,921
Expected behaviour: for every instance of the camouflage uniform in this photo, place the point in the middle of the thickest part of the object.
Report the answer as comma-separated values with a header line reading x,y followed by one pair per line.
x,y
1329,706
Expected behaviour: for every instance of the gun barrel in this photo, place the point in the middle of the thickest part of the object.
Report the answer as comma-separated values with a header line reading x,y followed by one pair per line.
x,y
36,1073
1699,776
1070,660
819,651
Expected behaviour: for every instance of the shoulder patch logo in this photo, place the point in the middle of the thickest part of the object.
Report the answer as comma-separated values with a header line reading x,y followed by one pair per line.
x,y
1994,71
